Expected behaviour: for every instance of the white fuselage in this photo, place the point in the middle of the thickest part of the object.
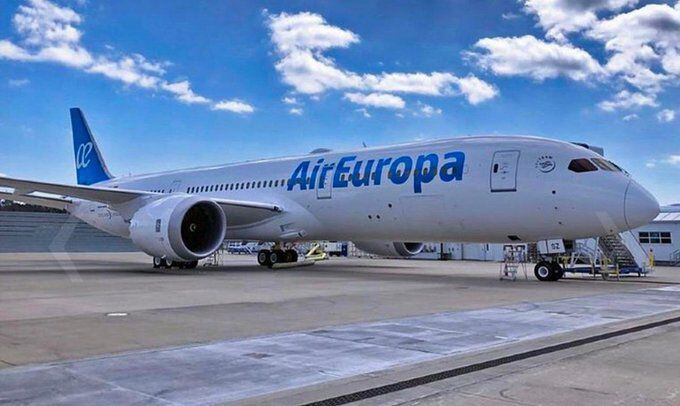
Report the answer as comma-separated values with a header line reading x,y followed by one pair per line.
x,y
489,189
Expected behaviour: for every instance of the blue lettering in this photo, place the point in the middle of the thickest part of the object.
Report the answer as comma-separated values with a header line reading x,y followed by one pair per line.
x,y
338,180
453,170
324,172
382,162
315,170
401,176
359,180
420,176
299,176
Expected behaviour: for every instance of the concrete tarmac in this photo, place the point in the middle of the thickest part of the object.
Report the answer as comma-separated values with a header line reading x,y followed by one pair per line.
x,y
54,308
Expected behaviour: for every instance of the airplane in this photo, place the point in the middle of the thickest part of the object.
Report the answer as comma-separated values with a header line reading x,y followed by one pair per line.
x,y
492,189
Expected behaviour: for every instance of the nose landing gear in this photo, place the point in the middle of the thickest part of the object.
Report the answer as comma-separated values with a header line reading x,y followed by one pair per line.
x,y
548,271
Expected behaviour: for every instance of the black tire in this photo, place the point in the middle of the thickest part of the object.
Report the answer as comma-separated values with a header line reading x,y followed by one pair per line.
x,y
558,271
191,264
169,264
275,257
544,271
263,257
158,262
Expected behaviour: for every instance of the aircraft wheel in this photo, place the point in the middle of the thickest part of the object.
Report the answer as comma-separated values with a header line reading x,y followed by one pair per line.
x,y
191,264
170,264
544,271
157,262
160,263
263,257
558,271
276,256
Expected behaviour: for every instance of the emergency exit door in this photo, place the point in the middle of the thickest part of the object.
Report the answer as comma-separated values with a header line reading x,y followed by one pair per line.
x,y
504,171
325,186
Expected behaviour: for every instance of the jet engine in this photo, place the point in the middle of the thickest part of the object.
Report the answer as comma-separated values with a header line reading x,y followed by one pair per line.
x,y
179,228
390,248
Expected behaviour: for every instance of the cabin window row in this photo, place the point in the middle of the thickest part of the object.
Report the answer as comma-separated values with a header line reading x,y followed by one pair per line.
x,y
260,184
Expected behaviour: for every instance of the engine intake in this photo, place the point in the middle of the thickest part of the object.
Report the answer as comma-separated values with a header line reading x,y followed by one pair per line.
x,y
180,228
390,248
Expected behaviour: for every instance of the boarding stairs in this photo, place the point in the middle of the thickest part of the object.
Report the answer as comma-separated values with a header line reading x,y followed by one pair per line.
x,y
606,256
614,248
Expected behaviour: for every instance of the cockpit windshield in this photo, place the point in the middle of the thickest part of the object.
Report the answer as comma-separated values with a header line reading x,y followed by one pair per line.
x,y
581,165
593,164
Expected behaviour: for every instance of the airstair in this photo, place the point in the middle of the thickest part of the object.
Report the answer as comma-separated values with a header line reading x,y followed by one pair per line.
x,y
607,256
613,248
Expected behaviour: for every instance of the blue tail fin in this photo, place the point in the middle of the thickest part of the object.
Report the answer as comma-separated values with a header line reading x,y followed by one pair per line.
x,y
90,167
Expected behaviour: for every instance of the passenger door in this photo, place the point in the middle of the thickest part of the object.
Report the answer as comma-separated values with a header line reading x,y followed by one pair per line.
x,y
504,171
325,187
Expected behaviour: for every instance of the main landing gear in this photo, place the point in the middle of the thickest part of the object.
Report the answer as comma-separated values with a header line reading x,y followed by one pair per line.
x,y
548,271
163,263
276,255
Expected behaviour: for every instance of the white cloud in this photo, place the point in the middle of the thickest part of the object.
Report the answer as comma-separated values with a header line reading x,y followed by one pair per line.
x,y
641,47
630,117
425,110
18,82
382,100
510,16
673,160
640,40
296,111
364,112
432,84
627,100
182,90
48,32
300,40
290,100
307,31
561,17
476,90
235,106
651,164
665,116
531,57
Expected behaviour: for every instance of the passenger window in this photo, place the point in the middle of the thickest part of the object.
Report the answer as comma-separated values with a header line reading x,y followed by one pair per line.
x,y
581,165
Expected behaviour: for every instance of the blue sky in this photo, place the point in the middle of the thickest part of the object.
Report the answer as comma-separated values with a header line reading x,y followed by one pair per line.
x,y
176,84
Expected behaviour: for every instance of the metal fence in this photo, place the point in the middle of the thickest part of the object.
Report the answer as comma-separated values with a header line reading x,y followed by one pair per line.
x,y
55,232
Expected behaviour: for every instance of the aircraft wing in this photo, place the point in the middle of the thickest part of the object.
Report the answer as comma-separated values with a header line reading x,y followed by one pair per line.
x,y
244,211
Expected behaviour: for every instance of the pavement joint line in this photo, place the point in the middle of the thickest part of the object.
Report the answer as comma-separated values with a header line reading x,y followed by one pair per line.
x,y
480,366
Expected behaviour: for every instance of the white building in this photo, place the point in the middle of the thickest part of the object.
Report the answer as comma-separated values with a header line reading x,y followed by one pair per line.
x,y
662,236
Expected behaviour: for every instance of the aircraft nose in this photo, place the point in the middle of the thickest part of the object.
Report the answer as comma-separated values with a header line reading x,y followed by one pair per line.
x,y
640,207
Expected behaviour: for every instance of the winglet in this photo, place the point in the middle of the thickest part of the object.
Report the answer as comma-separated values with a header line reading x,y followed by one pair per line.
x,y
90,166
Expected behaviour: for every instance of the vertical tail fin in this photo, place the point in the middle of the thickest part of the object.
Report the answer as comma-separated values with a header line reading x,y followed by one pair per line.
x,y
90,166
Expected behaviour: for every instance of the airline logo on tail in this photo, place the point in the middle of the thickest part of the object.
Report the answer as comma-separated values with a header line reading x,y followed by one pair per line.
x,y
83,155
90,167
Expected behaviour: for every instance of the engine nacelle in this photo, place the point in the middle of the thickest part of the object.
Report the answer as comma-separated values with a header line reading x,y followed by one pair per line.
x,y
179,228
390,248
